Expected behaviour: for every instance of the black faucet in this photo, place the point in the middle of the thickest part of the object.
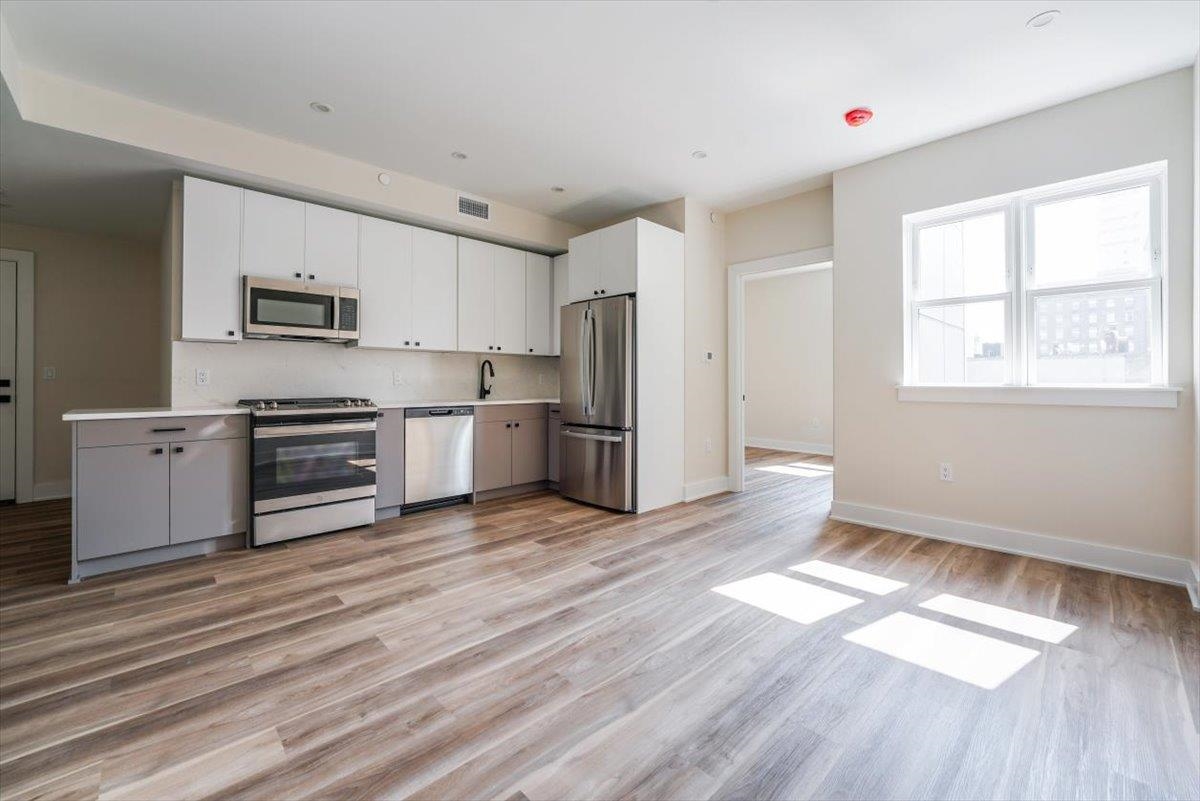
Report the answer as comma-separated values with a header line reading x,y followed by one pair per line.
x,y
485,391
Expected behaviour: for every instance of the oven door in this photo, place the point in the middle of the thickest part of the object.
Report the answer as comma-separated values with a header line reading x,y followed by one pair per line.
x,y
276,308
311,464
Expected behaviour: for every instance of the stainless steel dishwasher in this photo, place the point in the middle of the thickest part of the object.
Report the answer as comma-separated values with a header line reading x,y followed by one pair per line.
x,y
439,453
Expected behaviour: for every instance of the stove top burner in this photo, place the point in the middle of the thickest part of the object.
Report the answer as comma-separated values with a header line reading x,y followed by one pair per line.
x,y
264,405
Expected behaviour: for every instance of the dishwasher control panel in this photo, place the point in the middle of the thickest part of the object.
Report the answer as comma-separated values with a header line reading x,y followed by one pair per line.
x,y
441,411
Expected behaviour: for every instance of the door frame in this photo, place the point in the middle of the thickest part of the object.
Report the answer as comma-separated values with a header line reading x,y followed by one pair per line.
x,y
23,397
801,261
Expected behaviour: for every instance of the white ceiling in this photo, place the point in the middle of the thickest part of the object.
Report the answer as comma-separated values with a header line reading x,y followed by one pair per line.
x,y
606,99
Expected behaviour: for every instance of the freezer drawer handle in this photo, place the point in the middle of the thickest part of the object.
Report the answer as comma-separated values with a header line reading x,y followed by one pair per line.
x,y
596,437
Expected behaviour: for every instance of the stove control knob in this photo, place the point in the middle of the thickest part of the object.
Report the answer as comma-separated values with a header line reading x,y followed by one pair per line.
x,y
272,405
259,406
346,402
357,402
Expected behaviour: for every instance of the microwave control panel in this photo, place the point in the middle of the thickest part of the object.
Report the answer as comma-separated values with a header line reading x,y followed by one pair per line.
x,y
348,314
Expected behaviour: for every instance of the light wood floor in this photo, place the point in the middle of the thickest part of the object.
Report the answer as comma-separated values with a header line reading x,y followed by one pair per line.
x,y
535,648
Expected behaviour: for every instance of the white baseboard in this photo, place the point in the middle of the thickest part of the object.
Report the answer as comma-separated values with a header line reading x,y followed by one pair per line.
x,y
792,445
1109,558
702,489
51,490
1194,586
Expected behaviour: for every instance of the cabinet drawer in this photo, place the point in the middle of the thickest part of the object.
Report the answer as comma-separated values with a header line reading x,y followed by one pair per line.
x,y
93,433
514,411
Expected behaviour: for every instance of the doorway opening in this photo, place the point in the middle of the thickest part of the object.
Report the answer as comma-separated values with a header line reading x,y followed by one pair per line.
x,y
16,376
781,368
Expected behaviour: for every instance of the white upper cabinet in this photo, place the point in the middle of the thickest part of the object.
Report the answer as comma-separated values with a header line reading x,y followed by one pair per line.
x,y
583,280
385,284
330,246
510,300
434,290
211,261
476,295
560,299
604,262
539,299
272,236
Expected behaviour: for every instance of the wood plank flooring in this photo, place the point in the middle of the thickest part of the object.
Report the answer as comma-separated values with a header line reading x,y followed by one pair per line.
x,y
535,648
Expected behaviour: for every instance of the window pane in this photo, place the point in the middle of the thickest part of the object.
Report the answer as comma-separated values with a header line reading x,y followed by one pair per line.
x,y
1114,346
1095,238
961,344
966,257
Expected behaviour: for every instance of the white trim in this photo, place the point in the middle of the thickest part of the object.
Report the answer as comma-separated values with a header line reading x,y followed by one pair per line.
x,y
1109,558
1194,586
801,261
790,445
1141,397
696,490
51,490
24,394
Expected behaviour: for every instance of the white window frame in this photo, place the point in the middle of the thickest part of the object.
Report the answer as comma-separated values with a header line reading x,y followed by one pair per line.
x,y
1021,294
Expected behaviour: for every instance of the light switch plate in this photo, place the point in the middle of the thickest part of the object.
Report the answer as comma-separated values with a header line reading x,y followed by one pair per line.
x,y
49,373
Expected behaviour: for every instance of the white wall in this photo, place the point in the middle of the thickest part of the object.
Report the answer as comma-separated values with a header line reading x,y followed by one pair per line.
x,y
789,361
797,222
1113,476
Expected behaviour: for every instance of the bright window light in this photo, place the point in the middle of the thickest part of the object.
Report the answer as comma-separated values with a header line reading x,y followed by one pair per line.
x,y
964,655
787,597
1023,623
799,469
859,580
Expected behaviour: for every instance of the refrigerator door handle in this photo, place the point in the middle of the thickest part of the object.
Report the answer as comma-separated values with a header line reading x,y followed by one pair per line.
x,y
592,362
594,437
583,367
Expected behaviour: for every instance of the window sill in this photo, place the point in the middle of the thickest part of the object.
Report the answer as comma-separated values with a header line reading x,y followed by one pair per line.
x,y
1142,397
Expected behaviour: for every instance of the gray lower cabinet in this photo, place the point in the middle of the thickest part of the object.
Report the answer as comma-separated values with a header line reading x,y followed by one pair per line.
x,y
209,490
493,455
553,428
511,445
529,451
389,459
123,499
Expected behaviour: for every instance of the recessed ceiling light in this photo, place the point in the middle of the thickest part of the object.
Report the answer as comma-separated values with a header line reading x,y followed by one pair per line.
x,y
699,154
1043,19
324,108
458,154
384,178
558,189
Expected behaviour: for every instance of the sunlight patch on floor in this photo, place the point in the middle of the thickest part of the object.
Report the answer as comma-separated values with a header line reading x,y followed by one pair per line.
x,y
857,579
964,655
795,600
802,469
1000,617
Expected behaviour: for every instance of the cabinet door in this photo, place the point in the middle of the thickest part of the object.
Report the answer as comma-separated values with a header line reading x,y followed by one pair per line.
x,y
618,259
389,459
561,265
510,300
493,455
385,282
211,260
476,295
272,236
553,429
330,246
539,300
124,499
583,274
529,455
209,489
435,290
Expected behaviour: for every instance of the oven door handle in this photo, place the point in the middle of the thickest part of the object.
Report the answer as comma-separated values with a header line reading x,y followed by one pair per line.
x,y
313,428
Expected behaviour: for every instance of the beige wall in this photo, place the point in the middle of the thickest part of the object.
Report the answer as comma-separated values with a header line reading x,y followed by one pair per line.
x,y
705,329
789,361
799,222
1113,476
97,322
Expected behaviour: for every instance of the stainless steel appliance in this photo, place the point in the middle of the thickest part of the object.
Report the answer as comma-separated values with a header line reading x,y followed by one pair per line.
x,y
275,309
439,450
312,466
599,434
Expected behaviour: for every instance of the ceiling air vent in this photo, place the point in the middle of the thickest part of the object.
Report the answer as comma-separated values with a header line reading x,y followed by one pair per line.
x,y
473,207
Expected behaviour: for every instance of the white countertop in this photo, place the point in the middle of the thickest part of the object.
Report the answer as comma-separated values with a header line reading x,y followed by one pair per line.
x,y
75,415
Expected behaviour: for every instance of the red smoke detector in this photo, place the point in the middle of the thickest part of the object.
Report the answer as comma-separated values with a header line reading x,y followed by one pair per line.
x,y
858,116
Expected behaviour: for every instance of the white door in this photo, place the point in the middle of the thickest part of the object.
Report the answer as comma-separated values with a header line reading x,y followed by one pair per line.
x,y
510,300
8,380
212,253
583,277
539,299
272,236
435,290
561,267
385,281
618,259
330,246
477,295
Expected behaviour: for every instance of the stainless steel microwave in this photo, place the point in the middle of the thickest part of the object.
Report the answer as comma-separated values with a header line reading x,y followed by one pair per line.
x,y
278,309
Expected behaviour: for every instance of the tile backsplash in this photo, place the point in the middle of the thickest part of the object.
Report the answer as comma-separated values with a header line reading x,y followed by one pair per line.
x,y
268,368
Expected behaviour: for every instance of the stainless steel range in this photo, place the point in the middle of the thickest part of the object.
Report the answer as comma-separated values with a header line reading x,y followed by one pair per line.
x,y
312,466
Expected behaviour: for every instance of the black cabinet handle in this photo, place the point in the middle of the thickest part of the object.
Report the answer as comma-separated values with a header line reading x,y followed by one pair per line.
x,y
299,275
531,350
499,348
602,291
380,414
516,425
230,333
157,451
418,344
311,277
406,342
5,398
165,430
595,291
179,449
489,347
5,382
508,425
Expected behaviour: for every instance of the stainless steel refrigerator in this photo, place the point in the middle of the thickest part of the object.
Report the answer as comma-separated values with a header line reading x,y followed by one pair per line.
x,y
598,438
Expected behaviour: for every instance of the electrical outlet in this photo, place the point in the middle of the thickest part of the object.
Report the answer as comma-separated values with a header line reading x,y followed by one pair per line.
x,y
49,373
202,376
946,471
814,422
541,379
397,378
708,444
709,357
